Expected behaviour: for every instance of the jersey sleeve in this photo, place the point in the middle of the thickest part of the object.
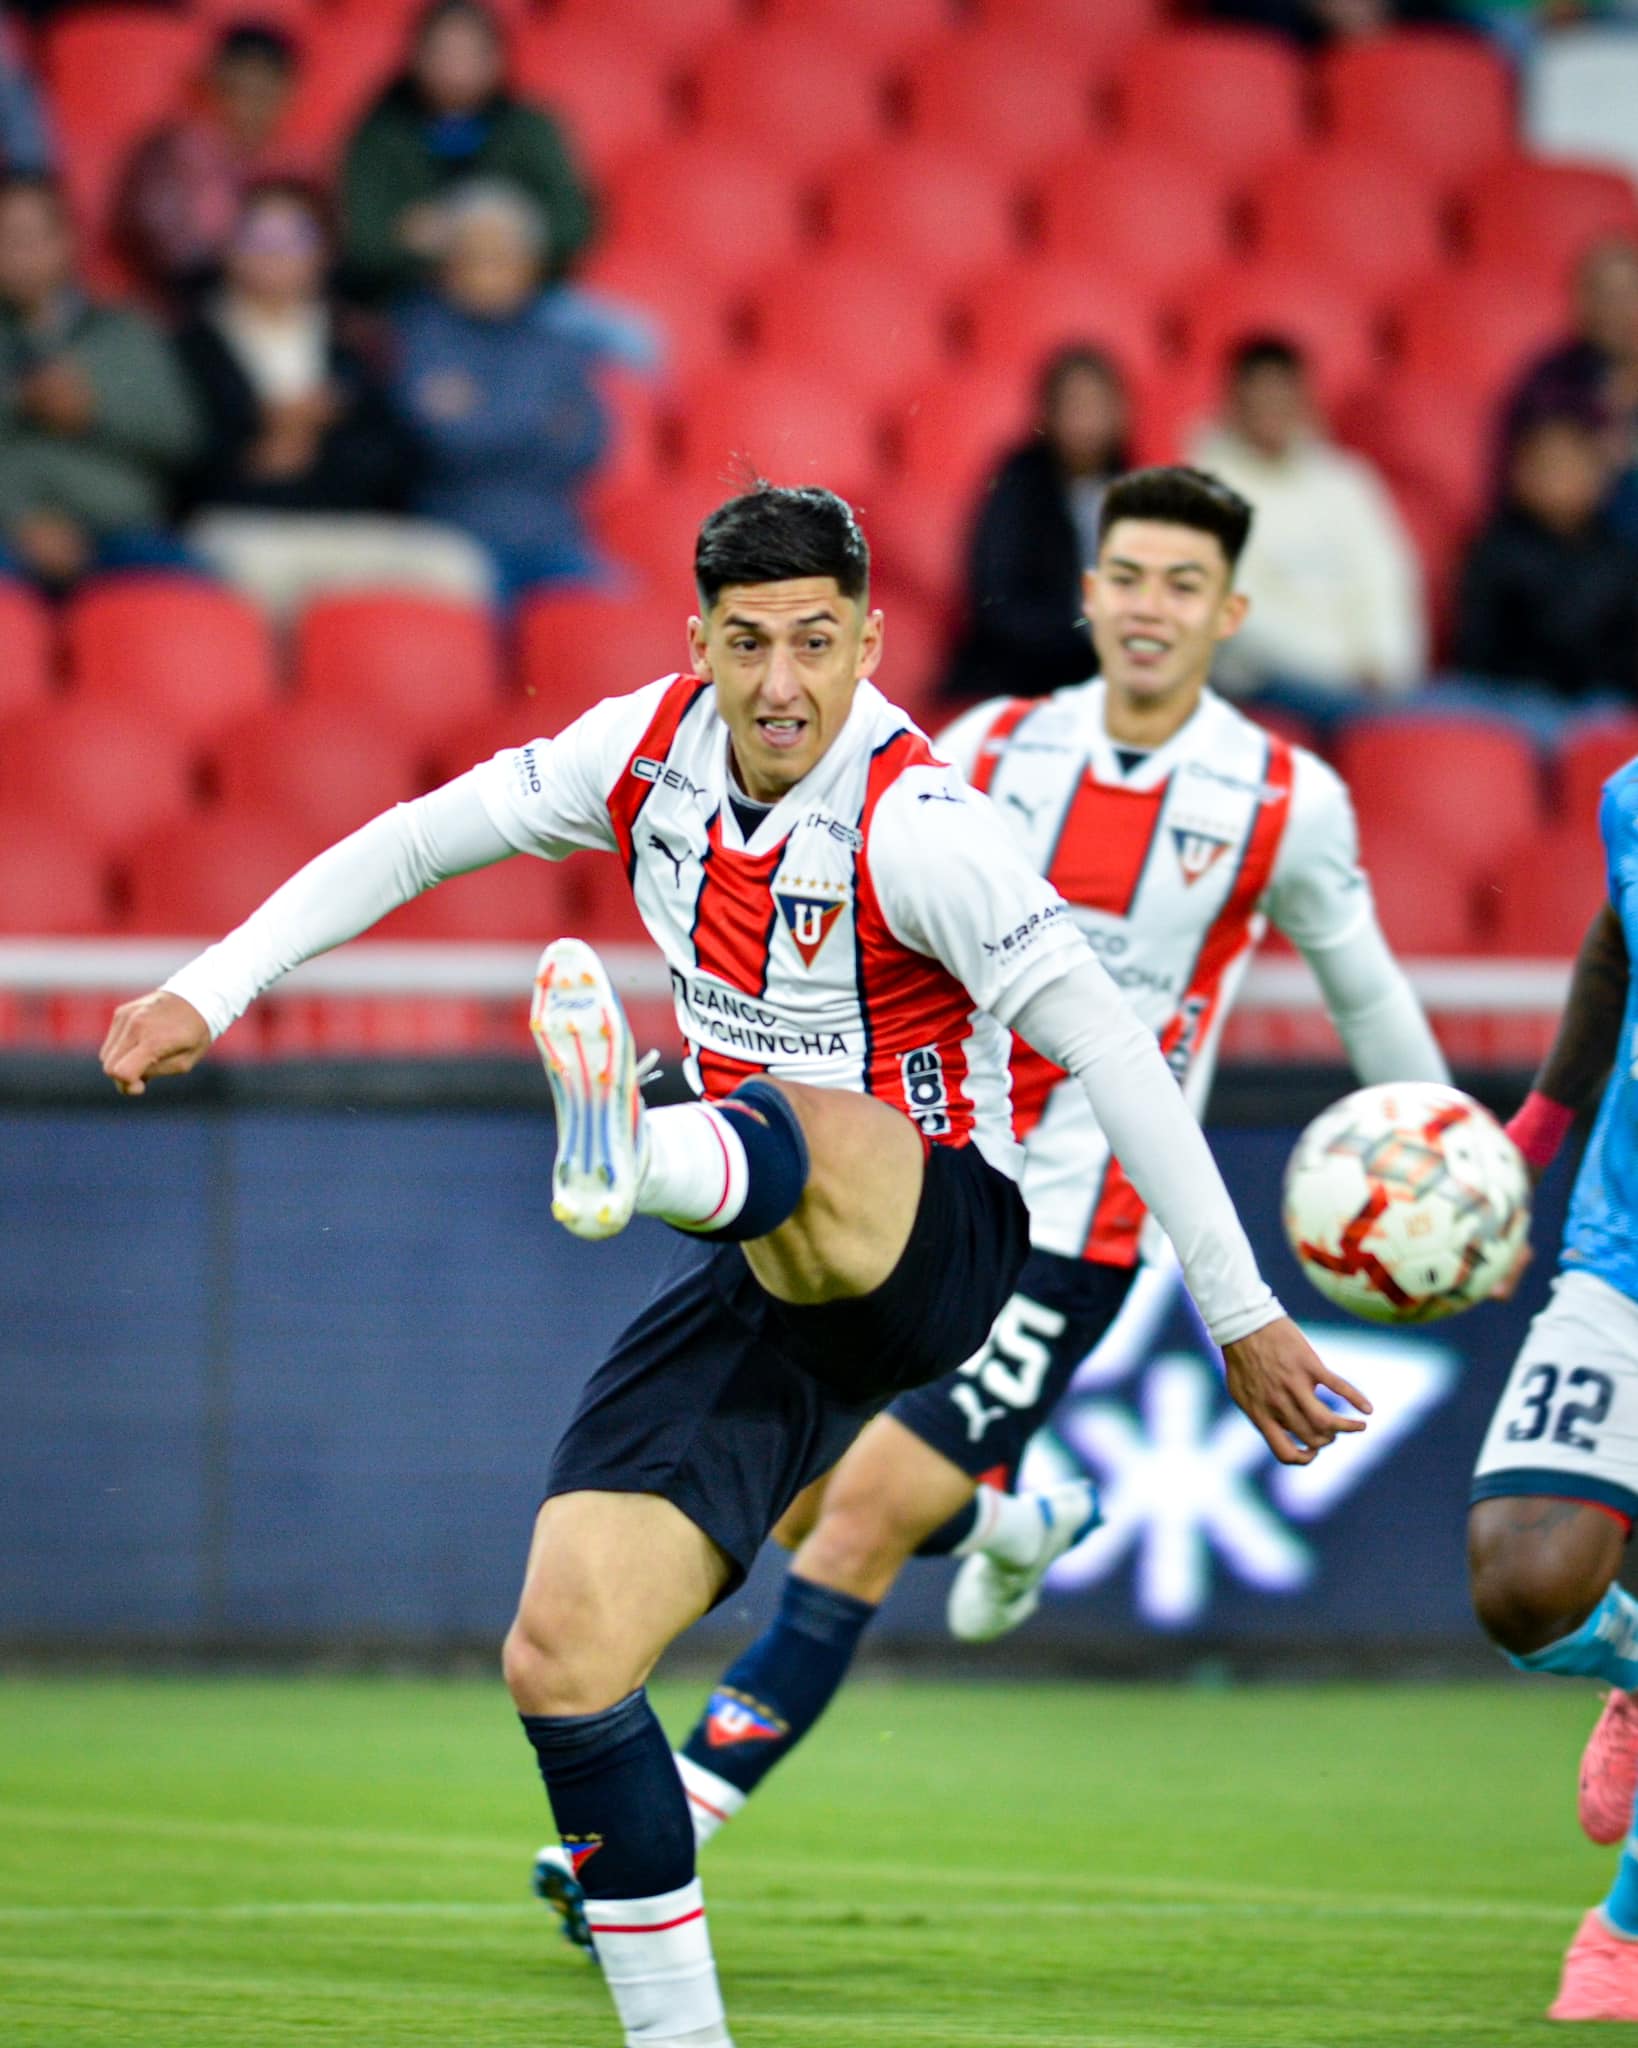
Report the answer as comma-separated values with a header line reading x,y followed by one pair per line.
x,y
960,741
1618,828
1318,894
551,797
953,885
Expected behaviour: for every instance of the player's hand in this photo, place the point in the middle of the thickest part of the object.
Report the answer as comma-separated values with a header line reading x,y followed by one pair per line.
x,y
155,1034
1273,1376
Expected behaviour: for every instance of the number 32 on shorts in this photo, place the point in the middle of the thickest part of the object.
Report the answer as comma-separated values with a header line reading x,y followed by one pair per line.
x,y
1561,1407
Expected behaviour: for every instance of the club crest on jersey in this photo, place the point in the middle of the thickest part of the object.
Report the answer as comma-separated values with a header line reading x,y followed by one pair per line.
x,y
809,910
734,1717
581,1849
1197,852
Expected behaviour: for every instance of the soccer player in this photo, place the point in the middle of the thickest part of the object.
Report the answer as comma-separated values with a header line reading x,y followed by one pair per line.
x,y
1555,1491
1174,826
850,931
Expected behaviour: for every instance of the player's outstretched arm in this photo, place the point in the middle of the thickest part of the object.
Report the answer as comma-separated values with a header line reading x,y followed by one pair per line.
x,y
1583,1048
1274,1376
156,1034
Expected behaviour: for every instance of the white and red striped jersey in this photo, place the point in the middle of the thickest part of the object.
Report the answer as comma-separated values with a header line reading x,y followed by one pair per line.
x,y
1172,862
876,931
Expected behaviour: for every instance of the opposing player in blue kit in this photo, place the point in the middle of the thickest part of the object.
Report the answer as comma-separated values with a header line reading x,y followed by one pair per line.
x,y
1555,1492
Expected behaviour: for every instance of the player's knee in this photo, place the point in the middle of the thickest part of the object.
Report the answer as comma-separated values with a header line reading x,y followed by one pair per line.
x,y
1526,1594
554,1658
859,1546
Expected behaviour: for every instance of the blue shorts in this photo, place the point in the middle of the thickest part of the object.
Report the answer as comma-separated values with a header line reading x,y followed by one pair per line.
x,y
981,1416
727,1403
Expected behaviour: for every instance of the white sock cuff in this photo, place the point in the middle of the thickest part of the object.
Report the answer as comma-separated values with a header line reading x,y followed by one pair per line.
x,y
694,1167
711,1800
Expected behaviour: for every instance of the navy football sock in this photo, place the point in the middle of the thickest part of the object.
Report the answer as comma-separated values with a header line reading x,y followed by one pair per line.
x,y
772,1696
618,1802
776,1159
948,1536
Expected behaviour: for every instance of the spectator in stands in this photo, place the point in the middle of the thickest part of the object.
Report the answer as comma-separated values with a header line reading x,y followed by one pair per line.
x,y
449,120
1549,591
1334,582
1593,374
305,461
496,374
1036,529
1314,23
183,185
95,417
25,139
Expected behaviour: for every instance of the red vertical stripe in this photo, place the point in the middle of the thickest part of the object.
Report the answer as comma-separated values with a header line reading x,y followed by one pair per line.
x,y
629,794
994,743
1104,845
735,913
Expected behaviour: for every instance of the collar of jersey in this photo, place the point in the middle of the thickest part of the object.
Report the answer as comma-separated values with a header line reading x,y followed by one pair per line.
x,y
814,788
1103,760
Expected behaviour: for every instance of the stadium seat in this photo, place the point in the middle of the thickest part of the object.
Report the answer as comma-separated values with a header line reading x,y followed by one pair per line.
x,y
1145,216
670,28
27,638
518,721
1363,220
1015,318
576,648
1463,791
1428,911
182,650
1223,97
1007,101
1440,103
1527,215
1334,326
787,425
914,647
202,876
1541,907
115,72
340,75
950,434
1588,754
425,663
330,767
653,530
51,880
520,899
1109,26
698,325
1435,439
611,88
597,902
715,209
106,772
870,31
858,318
1477,329
796,97
930,214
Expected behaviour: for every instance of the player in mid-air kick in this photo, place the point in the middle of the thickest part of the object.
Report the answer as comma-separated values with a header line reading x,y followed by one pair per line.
x,y
851,933
1555,1492
1174,826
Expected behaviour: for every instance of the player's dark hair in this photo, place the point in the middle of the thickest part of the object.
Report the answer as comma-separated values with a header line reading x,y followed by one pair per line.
x,y
1179,497
1266,352
774,532
258,39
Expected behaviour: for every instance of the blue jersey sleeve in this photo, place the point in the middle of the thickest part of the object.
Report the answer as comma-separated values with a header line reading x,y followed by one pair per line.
x,y
1618,827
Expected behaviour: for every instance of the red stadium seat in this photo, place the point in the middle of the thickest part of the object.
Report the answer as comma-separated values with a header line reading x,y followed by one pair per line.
x,y
577,648
105,772
1332,325
1523,214
1106,27
611,88
178,648
654,530
918,537
27,638
340,74
799,95
515,724
519,899
872,32
716,210
1588,756
1434,440
1427,908
1366,221
1016,318
670,28
1223,97
1008,101
1542,906
928,213
857,318
1143,215
1465,791
1439,103
1477,329
423,662
952,433
330,767
698,316
598,902
204,875
785,424
51,880
115,72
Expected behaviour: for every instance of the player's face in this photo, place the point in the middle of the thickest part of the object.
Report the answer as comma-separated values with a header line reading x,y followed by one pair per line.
x,y
1159,602
786,658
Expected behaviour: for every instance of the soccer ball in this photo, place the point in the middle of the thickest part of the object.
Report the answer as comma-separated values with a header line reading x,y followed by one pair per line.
x,y
1406,1202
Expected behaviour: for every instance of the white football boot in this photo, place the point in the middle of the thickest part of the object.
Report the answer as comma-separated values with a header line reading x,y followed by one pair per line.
x,y
988,1598
590,1059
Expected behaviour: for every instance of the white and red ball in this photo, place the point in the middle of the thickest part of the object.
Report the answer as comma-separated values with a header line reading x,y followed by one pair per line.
x,y
1406,1202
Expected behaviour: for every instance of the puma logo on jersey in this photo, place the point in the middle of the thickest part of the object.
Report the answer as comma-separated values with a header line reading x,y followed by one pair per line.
x,y
1031,811
808,918
658,845
1197,852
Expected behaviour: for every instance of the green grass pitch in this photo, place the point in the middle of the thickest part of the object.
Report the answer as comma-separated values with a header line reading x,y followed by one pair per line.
x,y
199,1863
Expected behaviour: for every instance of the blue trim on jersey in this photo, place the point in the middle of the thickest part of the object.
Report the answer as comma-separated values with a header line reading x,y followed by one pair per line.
x,y
1601,1232
1544,1479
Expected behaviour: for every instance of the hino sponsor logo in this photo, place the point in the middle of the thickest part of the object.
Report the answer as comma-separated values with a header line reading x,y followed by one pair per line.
x,y
922,1073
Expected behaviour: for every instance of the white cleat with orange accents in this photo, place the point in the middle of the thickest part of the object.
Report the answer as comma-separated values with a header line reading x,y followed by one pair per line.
x,y
590,1059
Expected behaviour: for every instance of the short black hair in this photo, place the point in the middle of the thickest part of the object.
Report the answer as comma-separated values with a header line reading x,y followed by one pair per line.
x,y
258,39
774,532
1179,497
1266,352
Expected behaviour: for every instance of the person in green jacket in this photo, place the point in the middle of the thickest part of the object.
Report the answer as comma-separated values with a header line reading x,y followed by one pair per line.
x,y
95,416
447,120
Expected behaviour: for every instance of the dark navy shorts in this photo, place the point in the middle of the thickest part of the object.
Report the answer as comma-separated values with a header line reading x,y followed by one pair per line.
x,y
727,1403
981,1416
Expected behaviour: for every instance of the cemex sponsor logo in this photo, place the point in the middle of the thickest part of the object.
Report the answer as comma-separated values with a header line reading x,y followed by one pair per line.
x,y
648,770
922,1072
734,1717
